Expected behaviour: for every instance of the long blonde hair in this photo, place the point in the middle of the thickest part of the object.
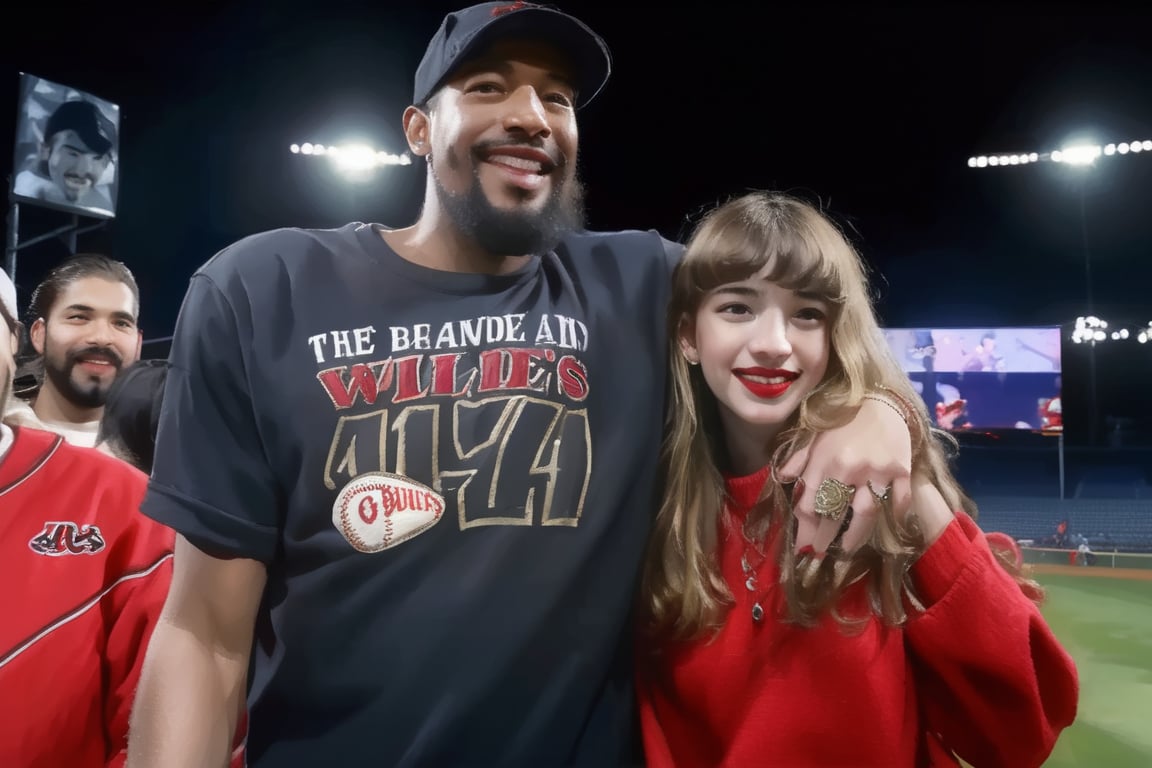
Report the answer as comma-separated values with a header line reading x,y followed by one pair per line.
x,y
684,593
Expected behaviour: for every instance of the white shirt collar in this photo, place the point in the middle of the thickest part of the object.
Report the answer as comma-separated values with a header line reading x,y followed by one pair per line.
x,y
7,438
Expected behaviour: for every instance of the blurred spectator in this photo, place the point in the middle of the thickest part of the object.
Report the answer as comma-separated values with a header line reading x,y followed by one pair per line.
x,y
1084,553
132,413
82,332
85,578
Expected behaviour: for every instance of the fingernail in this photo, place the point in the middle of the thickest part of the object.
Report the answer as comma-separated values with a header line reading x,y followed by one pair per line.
x,y
805,550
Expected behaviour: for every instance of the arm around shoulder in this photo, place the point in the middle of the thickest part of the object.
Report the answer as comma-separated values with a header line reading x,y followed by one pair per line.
x,y
195,672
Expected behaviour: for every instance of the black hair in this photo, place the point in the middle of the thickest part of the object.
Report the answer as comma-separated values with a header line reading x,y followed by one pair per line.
x,y
75,268
132,412
85,118
29,363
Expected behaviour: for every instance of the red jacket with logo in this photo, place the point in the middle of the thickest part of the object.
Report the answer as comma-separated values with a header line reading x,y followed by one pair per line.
x,y
85,576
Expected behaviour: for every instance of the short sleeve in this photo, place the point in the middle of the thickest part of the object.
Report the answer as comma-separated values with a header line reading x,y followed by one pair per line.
x,y
211,480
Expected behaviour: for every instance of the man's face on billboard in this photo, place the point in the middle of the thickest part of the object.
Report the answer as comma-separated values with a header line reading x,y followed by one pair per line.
x,y
72,165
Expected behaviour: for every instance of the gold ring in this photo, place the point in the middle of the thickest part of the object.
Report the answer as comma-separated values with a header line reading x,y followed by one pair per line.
x,y
833,498
880,498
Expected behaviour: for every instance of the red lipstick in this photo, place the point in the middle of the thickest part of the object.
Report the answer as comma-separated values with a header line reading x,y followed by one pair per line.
x,y
766,383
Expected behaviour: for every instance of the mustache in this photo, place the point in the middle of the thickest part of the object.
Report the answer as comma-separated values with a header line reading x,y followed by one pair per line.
x,y
487,146
95,353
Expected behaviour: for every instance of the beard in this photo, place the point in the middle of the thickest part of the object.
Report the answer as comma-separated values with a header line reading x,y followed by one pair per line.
x,y
513,232
91,393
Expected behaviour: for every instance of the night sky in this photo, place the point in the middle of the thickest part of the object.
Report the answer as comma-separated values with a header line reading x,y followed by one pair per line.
x,y
873,111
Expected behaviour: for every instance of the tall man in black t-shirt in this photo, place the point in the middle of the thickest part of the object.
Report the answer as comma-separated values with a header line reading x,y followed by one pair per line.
x,y
412,470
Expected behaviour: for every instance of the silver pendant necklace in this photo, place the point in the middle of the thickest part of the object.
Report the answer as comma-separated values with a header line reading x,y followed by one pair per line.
x,y
750,582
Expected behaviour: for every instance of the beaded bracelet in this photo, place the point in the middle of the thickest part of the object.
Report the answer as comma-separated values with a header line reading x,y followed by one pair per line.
x,y
888,403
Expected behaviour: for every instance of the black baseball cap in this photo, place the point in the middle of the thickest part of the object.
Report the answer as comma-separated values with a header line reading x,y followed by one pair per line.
x,y
466,32
90,124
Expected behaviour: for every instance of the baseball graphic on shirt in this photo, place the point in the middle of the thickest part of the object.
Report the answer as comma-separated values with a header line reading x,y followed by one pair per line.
x,y
378,510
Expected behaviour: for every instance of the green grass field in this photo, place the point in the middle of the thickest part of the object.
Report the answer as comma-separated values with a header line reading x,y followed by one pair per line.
x,y
1106,624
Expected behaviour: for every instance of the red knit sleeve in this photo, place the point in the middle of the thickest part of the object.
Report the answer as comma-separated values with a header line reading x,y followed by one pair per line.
x,y
994,683
657,751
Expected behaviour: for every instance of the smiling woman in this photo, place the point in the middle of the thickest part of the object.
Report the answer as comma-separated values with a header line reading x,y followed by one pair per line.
x,y
737,326
772,338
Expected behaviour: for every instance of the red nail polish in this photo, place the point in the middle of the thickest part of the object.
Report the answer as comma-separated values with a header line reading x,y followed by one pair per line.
x,y
805,550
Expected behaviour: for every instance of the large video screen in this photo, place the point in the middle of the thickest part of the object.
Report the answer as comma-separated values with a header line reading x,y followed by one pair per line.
x,y
67,149
984,378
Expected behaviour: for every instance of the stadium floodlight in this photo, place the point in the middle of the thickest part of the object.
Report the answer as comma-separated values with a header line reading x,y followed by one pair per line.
x,y
353,160
1081,155
1092,330
1078,154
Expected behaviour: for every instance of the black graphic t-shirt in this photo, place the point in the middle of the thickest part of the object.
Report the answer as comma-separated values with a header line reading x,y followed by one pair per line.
x,y
449,477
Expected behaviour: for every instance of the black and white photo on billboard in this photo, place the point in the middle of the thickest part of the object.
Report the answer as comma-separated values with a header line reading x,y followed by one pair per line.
x,y
67,149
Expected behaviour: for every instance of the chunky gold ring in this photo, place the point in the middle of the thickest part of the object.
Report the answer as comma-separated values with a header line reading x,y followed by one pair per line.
x,y
833,498
881,498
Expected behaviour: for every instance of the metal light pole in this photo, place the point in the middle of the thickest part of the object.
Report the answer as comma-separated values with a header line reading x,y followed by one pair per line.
x,y
1083,155
1093,412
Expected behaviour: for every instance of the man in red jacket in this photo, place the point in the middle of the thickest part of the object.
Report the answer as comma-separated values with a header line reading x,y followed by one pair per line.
x,y
85,578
